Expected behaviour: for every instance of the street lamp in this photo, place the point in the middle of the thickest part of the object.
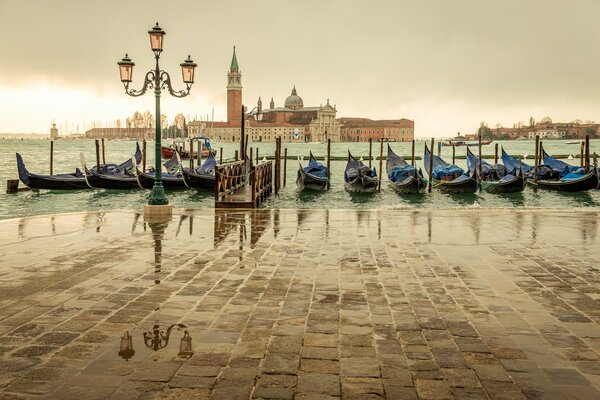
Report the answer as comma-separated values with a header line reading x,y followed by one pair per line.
x,y
157,79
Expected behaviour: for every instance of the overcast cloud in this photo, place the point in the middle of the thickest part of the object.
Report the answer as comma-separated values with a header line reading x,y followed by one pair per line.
x,y
446,64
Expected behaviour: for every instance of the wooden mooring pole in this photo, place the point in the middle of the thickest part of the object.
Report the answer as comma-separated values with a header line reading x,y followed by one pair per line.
x,y
453,154
496,154
242,135
236,155
535,164
284,165
380,163
251,155
191,154
144,155
370,150
51,156
480,166
103,152
257,160
97,156
413,153
581,153
220,155
431,164
587,153
328,164
277,164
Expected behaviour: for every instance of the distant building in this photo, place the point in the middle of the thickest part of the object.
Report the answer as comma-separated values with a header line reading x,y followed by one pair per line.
x,y
120,133
54,132
292,123
363,129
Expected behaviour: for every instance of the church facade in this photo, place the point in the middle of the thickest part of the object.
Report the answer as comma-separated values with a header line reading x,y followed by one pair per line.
x,y
293,122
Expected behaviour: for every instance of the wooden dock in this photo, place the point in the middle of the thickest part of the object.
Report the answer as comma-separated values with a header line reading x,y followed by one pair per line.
x,y
237,186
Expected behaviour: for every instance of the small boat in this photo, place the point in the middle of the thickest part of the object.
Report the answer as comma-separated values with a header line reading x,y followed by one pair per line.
x,y
172,178
112,176
358,177
404,177
169,151
73,181
571,178
495,178
573,141
461,143
313,176
447,177
202,176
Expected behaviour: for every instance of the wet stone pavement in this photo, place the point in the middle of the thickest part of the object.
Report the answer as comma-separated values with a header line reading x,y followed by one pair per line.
x,y
301,304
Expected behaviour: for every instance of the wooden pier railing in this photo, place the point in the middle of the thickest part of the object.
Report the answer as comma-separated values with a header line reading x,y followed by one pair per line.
x,y
229,178
231,190
262,182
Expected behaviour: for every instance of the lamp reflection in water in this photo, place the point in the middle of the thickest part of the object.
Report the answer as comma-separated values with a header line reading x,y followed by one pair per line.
x,y
157,339
158,231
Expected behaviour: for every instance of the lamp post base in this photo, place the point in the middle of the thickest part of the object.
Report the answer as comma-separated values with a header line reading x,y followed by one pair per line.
x,y
158,214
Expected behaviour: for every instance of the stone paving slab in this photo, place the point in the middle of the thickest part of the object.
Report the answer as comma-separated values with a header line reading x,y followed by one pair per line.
x,y
302,304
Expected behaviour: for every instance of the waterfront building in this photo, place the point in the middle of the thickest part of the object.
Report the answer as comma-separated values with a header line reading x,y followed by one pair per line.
x,y
363,129
120,133
54,132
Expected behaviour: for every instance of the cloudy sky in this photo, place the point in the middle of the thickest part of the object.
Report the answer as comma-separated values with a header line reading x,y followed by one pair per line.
x,y
446,64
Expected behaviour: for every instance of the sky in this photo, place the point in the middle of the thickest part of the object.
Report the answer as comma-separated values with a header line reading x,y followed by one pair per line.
x,y
446,64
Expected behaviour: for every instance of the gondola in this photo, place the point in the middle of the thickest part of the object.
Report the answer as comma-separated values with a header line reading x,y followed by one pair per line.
x,y
73,181
495,178
172,179
404,177
168,152
358,177
203,176
313,176
447,177
571,178
112,176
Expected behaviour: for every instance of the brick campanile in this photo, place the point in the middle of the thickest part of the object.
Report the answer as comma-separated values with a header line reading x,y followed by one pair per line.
x,y
234,92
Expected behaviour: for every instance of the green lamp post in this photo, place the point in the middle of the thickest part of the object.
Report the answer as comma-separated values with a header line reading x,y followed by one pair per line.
x,y
157,79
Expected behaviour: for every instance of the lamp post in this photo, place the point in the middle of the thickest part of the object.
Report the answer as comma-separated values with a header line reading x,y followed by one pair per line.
x,y
157,79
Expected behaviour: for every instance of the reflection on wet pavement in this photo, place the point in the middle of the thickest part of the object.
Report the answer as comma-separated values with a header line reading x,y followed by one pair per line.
x,y
404,304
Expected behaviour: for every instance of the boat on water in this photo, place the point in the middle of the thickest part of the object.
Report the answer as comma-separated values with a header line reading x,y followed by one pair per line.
x,y
202,176
178,146
312,177
496,178
172,177
404,177
573,141
358,177
447,177
570,178
460,143
121,177
68,181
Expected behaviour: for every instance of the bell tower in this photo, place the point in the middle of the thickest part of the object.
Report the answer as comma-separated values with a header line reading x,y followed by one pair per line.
x,y
234,92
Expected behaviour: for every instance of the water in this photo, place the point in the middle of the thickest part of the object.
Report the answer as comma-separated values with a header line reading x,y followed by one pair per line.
x,y
66,157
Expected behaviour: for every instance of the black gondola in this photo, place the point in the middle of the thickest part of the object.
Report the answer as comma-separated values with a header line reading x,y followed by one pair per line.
x,y
313,176
171,180
571,178
495,178
404,177
120,177
358,177
450,178
72,181
203,176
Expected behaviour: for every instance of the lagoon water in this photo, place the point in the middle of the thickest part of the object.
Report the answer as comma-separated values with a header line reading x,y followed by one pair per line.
x,y
66,158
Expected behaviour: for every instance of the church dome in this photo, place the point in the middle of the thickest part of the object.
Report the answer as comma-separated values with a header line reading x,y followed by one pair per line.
x,y
294,101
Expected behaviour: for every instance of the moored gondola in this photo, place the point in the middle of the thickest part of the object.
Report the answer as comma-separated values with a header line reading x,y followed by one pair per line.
x,y
448,178
358,177
172,179
203,176
570,178
495,178
73,181
314,176
404,177
120,177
